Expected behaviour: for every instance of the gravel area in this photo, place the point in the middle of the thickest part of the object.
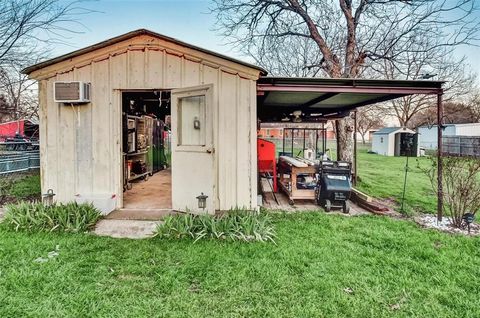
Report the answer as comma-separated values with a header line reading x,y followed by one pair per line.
x,y
430,221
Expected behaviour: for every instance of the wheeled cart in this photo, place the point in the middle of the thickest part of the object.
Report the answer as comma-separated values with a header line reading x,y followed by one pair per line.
x,y
129,175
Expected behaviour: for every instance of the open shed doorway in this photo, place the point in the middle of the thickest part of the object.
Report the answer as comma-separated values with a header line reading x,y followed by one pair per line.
x,y
406,144
147,180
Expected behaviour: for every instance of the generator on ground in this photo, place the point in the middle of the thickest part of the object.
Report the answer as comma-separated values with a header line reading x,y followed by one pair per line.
x,y
334,185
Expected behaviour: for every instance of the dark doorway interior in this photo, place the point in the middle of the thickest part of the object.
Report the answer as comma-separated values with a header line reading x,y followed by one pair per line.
x,y
408,145
146,149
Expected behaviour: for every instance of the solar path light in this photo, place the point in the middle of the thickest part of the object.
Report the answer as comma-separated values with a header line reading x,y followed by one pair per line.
x,y
202,201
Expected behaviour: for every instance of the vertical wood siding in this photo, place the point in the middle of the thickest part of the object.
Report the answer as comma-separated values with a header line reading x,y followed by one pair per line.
x,y
81,145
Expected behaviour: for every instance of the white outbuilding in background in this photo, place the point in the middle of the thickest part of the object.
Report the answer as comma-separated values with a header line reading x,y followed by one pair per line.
x,y
395,141
427,135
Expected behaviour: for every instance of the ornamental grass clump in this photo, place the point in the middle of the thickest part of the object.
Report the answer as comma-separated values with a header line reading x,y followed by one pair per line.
x,y
235,225
58,217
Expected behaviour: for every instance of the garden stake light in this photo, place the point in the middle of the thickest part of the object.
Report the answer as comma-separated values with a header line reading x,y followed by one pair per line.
x,y
404,186
468,218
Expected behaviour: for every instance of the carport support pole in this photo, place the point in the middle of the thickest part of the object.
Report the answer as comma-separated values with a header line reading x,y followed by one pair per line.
x,y
439,157
355,147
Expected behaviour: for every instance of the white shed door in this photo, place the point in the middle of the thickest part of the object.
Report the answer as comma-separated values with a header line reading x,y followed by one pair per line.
x,y
193,166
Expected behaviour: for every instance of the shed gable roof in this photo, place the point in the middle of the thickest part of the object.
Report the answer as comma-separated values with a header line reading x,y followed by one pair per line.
x,y
391,130
130,35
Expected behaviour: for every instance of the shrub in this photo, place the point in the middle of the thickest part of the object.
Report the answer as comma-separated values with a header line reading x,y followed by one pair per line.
x,y
461,186
235,225
69,217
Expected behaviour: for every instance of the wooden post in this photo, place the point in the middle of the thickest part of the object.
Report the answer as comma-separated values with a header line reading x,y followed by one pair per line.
x,y
439,158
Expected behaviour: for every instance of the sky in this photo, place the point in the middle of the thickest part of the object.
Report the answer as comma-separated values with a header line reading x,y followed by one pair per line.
x,y
186,20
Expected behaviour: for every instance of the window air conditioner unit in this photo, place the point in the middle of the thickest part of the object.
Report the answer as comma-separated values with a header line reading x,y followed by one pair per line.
x,y
71,92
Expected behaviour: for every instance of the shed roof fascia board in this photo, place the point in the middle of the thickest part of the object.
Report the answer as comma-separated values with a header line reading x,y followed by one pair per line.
x,y
347,89
348,81
130,35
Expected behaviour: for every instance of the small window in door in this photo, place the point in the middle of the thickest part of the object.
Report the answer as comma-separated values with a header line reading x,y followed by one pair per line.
x,y
191,121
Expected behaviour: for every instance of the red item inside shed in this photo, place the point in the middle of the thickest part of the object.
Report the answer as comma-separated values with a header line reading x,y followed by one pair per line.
x,y
266,159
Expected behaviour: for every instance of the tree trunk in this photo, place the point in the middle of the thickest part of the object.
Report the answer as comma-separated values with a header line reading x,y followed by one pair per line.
x,y
344,130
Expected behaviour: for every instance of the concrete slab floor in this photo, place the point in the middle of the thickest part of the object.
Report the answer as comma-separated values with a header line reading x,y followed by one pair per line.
x,y
154,193
132,229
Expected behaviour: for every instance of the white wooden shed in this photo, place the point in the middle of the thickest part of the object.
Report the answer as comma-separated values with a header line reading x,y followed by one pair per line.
x,y
81,144
395,141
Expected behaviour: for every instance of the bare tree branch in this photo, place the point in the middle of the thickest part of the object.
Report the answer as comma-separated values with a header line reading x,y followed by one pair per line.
x,y
349,38
26,29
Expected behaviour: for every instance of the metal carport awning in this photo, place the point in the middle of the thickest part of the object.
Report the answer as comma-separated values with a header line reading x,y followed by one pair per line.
x,y
328,98
320,99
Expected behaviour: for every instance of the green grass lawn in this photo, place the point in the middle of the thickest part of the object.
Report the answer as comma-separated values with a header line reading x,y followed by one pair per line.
x,y
383,177
322,266
19,187
26,187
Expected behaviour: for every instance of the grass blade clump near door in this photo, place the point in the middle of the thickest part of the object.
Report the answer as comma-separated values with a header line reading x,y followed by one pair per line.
x,y
36,217
235,225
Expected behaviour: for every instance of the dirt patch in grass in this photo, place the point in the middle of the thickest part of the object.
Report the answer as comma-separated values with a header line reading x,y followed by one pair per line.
x,y
13,199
